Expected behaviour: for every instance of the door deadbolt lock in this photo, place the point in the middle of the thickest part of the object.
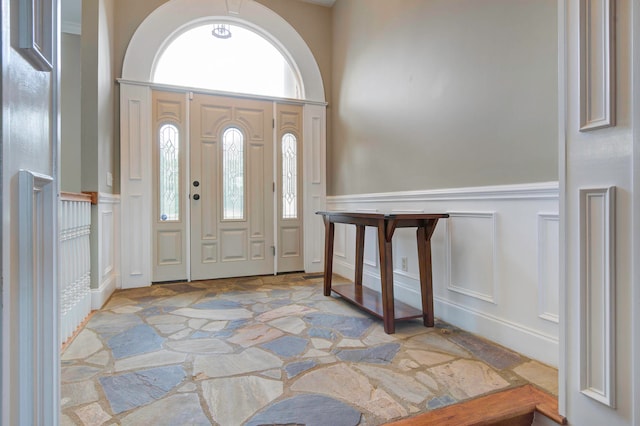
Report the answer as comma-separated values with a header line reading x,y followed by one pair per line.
x,y
196,197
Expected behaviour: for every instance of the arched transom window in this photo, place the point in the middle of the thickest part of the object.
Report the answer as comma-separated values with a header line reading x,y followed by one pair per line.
x,y
234,59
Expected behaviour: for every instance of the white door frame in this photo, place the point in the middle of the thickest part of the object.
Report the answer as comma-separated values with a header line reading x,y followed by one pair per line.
x,y
135,122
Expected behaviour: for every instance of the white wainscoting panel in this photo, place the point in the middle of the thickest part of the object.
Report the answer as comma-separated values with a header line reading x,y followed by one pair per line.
x,y
597,294
548,266
471,246
108,233
485,259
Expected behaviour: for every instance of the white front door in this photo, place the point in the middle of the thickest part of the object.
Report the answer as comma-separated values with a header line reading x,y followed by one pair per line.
x,y
231,187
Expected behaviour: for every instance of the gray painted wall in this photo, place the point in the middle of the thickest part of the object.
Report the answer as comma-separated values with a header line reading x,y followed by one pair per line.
x,y
442,94
70,113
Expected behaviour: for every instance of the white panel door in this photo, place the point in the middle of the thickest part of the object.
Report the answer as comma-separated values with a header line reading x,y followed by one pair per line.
x,y
231,187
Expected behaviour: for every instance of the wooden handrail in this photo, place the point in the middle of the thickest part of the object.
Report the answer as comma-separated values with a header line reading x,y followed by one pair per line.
x,y
74,196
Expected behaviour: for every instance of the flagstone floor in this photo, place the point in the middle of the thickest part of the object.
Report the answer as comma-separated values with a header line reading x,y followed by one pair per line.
x,y
270,350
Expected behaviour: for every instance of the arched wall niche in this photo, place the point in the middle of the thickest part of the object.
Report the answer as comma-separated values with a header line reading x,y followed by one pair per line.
x,y
174,16
136,129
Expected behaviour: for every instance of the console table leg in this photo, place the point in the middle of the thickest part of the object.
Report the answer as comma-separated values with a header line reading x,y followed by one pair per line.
x,y
426,279
386,278
359,254
329,229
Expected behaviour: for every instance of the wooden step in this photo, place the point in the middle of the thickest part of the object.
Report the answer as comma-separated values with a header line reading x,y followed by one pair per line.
x,y
513,407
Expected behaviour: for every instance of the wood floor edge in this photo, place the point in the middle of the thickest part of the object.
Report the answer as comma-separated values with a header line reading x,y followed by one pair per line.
x,y
491,409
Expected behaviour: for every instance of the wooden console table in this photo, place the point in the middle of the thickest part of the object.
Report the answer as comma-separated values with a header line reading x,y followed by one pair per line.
x,y
382,305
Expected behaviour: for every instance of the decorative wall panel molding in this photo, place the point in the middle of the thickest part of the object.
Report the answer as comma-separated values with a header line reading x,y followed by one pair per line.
x,y
597,294
548,266
471,254
597,64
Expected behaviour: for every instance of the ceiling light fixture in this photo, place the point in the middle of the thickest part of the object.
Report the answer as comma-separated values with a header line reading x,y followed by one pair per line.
x,y
222,31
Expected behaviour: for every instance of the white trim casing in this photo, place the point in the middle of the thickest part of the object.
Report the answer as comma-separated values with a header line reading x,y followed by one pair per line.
x,y
489,250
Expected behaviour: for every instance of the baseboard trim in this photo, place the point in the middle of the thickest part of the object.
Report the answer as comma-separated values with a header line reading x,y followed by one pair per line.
x,y
100,295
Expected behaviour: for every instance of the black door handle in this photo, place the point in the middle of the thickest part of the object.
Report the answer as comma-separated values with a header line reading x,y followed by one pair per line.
x,y
196,183
196,197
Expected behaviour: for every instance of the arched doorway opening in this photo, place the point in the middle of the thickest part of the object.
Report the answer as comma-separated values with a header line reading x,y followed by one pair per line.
x,y
151,39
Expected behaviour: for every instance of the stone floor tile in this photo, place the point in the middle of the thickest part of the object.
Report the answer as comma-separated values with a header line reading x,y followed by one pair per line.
x,y
382,354
428,358
66,421
467,378
287,346
78,393
215,314
101,358
247,361
272,374
340,308
200,346
403,386
217,304
108,322
85,344
152,359
440,401
166,319
127,309
293,325
214,326
296,368
196,323
427,380
254,335
494,355
136,340
323,333
352,327
131,390
285,311
181,334
180,409
350,343
169,328
539,374
321,343
338,381
435,342
78,373
384,406
233,400
92,415
377,336
317,410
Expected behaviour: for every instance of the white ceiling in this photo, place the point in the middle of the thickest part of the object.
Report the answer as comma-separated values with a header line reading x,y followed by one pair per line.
x,y
72,13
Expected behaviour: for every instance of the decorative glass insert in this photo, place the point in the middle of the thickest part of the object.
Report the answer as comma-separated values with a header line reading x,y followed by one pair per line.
x,y
289,176
169,172
232,174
